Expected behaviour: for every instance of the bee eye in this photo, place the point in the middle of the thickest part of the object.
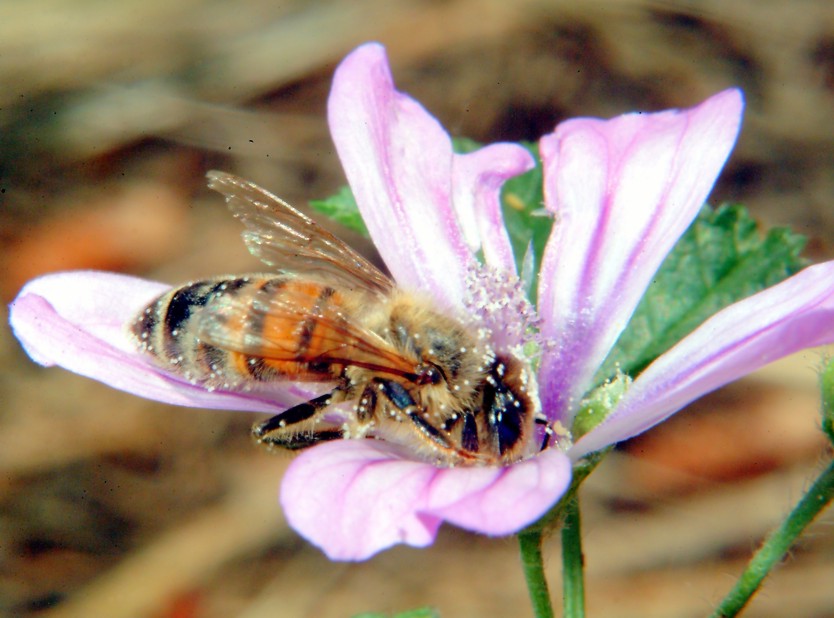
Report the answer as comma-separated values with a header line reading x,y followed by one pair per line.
x,y
431,374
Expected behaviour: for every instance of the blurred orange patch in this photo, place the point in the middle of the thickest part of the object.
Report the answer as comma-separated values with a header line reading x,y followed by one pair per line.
x,y
129,230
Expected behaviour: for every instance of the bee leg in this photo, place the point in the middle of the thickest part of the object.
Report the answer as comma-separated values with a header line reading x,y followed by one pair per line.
x,y
468,433
402,401
548,431
366,405
287,429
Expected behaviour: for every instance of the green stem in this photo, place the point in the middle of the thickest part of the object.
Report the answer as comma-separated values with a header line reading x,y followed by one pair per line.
x,y
573,562
777,545
565,514
530,544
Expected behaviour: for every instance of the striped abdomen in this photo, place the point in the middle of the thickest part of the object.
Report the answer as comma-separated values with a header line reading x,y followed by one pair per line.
x,y
226,331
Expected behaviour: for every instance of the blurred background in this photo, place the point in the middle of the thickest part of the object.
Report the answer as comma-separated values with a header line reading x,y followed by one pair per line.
x,y
110,115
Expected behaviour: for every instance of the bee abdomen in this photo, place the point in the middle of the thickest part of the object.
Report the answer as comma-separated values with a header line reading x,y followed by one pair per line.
x,y
167,330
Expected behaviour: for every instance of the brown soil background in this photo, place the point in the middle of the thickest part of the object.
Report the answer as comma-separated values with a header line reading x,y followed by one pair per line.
x,y
110,114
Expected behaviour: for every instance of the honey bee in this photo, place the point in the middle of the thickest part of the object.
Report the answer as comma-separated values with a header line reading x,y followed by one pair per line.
x,y
403,371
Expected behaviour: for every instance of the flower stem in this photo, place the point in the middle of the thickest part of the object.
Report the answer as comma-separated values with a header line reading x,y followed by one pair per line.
x,y
573,562
530,544
777,544
565,514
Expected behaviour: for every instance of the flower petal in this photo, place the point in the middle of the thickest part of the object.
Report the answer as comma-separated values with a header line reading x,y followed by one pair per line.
x,y
78,320
400,166
623,191
354,498
479,177
796,314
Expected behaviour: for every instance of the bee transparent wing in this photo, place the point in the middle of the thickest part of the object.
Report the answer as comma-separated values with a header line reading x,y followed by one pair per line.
x,y
293,327
292,242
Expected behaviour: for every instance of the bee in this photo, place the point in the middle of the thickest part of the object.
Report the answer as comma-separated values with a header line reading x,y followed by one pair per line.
x,y
391,365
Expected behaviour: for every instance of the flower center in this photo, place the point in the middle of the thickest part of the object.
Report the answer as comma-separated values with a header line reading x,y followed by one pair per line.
x,y
501,313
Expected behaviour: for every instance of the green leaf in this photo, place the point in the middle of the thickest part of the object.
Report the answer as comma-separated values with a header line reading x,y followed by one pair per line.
x,y
342,209
464,145
722,258
526,219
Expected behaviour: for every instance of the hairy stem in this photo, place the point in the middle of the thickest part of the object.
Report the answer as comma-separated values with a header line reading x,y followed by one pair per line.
x,y
777,545
573,562
530,544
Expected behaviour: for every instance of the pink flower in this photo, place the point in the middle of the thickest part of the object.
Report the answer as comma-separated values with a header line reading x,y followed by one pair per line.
x,y
621,191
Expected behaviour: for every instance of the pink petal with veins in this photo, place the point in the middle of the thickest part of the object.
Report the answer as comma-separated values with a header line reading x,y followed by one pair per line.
x,y
406,179
354,498
795,314
623,191
479,177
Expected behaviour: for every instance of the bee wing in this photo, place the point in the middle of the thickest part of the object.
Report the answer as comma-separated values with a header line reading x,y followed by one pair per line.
x,y
292,242
294,326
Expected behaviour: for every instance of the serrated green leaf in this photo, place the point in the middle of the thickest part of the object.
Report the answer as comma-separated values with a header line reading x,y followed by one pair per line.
x,y
722,258
342,209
